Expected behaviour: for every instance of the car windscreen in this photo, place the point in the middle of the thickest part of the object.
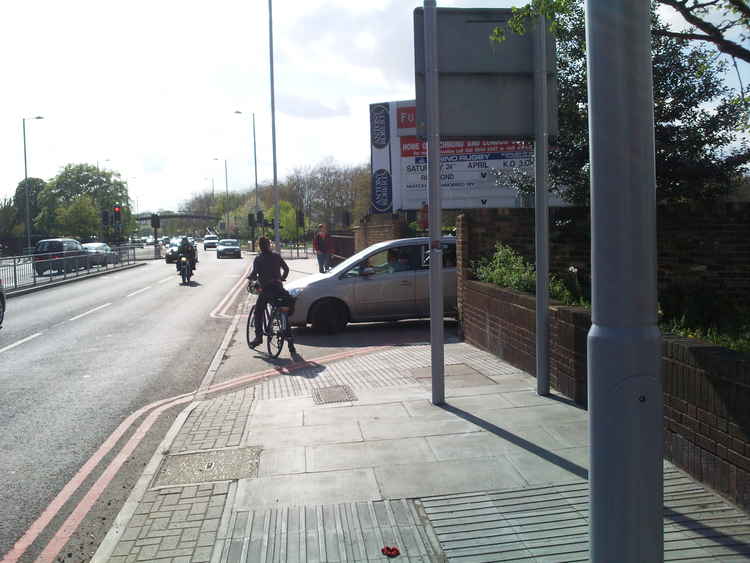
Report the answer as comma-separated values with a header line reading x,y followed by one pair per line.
x,y
349,262
228,242
49,246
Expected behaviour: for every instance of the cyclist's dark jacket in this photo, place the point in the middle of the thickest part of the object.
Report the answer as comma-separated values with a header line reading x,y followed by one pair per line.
x,y
269,268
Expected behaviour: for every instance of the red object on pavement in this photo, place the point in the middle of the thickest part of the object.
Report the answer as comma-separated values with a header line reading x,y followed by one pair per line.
x,y
390,551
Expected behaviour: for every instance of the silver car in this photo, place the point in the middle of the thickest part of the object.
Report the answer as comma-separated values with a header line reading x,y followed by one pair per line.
x,y
386,281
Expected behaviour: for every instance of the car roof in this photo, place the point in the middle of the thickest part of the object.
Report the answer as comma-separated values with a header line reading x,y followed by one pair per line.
x,y
409,241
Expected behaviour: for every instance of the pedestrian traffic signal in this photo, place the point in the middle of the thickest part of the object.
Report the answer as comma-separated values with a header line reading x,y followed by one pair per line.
x,y
155,221
251,220
300,218
259,217
105,218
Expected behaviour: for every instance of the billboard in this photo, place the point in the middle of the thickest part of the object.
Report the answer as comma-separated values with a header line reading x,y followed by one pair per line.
x,y
467,167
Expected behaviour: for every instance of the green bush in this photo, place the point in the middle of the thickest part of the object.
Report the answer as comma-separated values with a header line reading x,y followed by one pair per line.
x,y
508,269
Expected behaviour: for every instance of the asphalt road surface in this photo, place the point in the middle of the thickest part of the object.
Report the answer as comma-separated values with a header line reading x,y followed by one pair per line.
x,y
76,360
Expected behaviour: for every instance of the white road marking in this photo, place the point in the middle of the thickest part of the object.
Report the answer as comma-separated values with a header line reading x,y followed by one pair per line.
x,y
89,312
166,279
139,291
19,342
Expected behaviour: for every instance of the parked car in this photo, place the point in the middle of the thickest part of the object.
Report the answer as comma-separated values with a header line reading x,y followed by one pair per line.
x,y
99,253
386,281
228,247
61,254
173,252
2,304
210,241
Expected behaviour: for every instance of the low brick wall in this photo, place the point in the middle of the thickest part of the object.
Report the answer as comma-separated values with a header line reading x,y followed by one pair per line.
x,y
377,228
706,387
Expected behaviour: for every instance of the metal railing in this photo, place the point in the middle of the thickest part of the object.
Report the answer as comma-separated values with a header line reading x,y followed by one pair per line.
x,y
292,251
20,272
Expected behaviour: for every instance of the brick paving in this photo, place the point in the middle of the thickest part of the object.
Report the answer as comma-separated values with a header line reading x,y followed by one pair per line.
x,y
177,523
215,423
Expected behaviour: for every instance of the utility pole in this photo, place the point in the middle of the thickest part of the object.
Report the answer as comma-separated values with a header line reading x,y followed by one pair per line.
x,y
276,208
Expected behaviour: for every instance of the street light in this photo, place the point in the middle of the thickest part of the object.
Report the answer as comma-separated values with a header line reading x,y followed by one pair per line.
x,y
226,201
276,210
255,160
25,180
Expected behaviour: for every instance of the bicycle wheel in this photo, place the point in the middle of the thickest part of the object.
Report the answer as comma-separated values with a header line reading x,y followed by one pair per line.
x,y
250,333
276,333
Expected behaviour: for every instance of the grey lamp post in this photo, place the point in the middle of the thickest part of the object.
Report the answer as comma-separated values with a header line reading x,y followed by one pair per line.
x,y
255,160
276,209
25,178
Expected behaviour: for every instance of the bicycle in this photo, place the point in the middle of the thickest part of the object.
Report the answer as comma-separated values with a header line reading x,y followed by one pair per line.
x,y
275,323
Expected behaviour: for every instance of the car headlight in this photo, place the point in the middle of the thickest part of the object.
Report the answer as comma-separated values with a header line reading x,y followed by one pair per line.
x,y
295,292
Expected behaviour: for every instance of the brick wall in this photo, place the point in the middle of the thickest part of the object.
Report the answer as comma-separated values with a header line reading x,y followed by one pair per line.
x,y
706,247
377,228
706,388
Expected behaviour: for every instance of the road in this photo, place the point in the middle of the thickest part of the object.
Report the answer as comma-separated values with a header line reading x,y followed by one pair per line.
x,y
79,359
76,360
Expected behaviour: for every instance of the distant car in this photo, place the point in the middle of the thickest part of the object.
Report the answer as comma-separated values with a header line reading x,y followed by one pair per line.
x,y
228,247
173,252
61,254
2,303
384,282
210,241
99,253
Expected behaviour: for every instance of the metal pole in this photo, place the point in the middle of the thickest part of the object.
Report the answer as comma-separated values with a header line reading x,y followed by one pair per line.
x,y
255,166
276,209
26,186
624,343
541,212
435,210
226,200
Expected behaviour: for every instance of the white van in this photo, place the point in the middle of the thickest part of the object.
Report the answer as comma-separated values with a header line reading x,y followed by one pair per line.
x,y
209,241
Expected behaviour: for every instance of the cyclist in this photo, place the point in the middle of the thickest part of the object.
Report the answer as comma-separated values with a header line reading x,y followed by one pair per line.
x,y
271,271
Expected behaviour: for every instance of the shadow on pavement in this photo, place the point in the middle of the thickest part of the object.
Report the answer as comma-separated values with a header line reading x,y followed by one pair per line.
x,y
371,334
530,447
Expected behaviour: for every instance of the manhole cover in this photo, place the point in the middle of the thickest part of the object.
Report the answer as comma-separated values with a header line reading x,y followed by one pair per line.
x,y
214,465
333,394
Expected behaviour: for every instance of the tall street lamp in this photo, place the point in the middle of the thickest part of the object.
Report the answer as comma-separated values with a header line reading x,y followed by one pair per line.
x,y
255,160
276,210
226,201
25,180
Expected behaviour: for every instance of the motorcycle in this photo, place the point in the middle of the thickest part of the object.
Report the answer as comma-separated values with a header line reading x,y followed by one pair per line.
x,y
186,271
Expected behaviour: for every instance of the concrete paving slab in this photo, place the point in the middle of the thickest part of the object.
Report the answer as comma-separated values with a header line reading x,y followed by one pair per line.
x,y
304,435
525,398
487,444
281,461
570,434
450,370
391,394
328,487
372,430
368,454
282,419
439,477
549,466
554,413
387,411
459,381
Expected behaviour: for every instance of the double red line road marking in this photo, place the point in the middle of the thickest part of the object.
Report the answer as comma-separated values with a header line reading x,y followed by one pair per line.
x,y
154,411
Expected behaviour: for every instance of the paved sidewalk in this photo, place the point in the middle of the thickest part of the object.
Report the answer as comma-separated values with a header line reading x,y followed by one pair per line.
x,y
334,461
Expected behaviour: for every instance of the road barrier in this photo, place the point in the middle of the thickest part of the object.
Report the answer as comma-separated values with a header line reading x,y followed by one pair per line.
x,y
21,272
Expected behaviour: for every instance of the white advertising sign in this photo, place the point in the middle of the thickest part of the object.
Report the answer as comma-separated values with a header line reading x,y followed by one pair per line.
x,y
466,167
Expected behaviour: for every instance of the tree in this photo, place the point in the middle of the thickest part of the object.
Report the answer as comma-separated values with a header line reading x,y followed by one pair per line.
x,y
728,35
35,187
8,219
696,117
79,219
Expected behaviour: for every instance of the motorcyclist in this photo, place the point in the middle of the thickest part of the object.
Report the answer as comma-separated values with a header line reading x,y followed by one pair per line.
x,y
271,271
187,250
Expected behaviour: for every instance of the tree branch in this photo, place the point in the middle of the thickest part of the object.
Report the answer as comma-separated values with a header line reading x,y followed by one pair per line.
x,y
724,45
741,6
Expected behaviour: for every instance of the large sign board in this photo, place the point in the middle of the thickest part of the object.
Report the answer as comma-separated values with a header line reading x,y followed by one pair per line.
x,y
467,167
486,89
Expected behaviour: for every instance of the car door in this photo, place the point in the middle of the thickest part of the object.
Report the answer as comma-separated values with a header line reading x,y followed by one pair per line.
x,y
385,287
422,279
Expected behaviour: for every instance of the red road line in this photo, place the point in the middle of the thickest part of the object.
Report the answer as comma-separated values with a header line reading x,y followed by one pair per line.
x,y
67,491
71,524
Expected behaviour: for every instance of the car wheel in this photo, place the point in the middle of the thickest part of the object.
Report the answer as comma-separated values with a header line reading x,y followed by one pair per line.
x,y
40,270
329,315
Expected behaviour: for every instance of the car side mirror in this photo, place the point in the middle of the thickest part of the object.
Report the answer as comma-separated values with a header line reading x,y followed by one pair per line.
x,y
366,272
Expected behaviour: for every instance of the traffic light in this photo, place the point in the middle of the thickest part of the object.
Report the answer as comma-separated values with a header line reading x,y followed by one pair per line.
x,y
117,214
155,221
259,217
300,218
251,220
105,218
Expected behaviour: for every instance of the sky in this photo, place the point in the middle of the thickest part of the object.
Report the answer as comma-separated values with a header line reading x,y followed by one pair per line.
x,y
149,88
